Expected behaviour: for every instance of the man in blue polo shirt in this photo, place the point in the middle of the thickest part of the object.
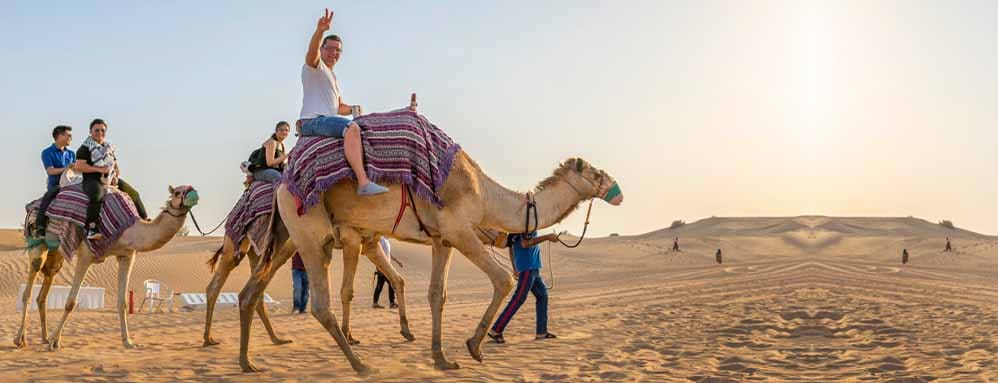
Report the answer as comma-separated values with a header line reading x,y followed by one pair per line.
x,y
525,251
55,159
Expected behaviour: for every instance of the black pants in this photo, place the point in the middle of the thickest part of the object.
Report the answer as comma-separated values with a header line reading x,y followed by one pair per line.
x,y
382,280
42,220
94,189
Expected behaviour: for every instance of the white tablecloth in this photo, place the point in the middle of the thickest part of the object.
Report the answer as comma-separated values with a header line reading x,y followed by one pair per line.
x,y
90,298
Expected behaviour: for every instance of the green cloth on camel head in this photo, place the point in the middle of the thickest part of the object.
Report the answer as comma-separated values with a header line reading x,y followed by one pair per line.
x,y
612,193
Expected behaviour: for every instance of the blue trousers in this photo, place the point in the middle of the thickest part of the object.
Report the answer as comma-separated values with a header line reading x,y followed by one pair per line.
x,y
529,280
300,293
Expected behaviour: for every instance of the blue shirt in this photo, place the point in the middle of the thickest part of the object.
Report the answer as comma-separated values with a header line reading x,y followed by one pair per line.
x,y
528,258
52,157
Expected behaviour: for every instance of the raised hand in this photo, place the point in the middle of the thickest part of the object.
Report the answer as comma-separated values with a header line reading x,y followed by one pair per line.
x,y
325,22
412,103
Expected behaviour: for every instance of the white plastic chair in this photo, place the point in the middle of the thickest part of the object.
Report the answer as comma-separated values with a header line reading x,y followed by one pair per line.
x,y
157,292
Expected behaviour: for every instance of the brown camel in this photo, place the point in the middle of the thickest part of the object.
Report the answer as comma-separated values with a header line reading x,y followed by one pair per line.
x,y
472,200
225,261
349,239
143,236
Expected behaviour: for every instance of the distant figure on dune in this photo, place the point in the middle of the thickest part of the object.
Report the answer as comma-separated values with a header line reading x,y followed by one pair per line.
x,y
675,244
904,256
949,247
717,256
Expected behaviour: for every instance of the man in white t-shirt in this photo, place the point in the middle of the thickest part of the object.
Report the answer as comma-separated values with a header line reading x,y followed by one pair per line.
x,y
323,105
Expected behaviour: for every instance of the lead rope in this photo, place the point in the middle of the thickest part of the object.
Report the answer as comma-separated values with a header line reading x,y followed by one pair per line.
x,y
584,228
198,227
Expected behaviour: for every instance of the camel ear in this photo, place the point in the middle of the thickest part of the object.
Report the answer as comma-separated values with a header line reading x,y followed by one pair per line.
x,y
578,164
171,189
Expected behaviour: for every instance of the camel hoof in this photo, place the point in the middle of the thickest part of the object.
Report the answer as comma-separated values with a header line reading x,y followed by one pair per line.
x,y
353,342
54,345
210,342
132,346
363,370
278,341
408,336
444,364
19,342
249,367
476,352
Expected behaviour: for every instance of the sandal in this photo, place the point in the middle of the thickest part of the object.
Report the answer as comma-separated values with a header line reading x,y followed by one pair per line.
x,y
546,336
496,338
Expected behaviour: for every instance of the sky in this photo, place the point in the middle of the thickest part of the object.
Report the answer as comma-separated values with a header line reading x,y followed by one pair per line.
x,y
698,109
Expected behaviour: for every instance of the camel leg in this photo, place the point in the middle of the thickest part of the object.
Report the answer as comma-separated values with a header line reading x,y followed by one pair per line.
x,y
252,295
124,273
377,256
351,255
316,259
502,283
37,258
83,261
261,308
50,269
222,270
438,295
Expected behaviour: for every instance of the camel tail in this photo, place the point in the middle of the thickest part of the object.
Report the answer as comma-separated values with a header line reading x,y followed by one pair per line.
x,y
272,227
214,259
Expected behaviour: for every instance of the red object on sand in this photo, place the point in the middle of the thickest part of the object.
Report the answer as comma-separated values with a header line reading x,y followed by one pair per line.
x,y
131,301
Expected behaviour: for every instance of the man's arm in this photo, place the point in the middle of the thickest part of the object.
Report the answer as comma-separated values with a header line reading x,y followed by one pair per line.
x,y
54,171
525,243
345,109
312,55
82,166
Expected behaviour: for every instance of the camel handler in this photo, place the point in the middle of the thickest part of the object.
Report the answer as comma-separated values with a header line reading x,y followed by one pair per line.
x,y
56,159
525,256
322,103
97,161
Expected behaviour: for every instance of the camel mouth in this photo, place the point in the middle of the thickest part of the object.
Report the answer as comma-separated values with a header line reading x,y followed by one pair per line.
x,y
191,199
614,196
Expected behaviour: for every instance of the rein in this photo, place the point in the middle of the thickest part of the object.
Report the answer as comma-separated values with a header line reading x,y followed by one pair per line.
x,y
198,227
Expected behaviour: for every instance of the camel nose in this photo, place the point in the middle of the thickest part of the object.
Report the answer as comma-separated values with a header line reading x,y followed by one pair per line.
x,y
616,201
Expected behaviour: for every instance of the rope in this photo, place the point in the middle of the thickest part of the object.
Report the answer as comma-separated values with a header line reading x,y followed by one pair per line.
x,y
584,228
198,227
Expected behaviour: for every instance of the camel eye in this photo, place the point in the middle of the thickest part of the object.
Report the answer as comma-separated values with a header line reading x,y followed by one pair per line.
x,y
176,194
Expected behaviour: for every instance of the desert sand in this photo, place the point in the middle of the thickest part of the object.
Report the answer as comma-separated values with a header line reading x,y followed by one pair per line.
x,y
797,299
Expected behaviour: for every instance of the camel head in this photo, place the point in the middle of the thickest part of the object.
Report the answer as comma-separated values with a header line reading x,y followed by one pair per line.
x,y
182,197
589,181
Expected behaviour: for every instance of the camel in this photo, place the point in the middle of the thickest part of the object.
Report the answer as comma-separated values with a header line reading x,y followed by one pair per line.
x,y
349,239
143,236
472,200
225,260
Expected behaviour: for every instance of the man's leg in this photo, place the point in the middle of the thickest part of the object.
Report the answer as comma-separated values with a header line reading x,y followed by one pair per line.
x,y
42,220
305,290
391,293
519,296
134,195
377,288
540,292
297,290
95,192
349,131
267,175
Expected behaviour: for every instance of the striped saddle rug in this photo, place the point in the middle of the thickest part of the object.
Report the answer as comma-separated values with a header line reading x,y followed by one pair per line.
x,y
400,147
251,216
68,213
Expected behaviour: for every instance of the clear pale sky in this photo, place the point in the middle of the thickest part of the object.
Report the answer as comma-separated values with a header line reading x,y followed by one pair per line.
x,y
700,108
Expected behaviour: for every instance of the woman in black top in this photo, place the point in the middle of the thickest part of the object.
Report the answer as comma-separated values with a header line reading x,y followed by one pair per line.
x,y
274,156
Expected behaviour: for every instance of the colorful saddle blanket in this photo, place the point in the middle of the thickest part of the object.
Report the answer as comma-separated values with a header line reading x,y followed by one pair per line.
x,y
400,147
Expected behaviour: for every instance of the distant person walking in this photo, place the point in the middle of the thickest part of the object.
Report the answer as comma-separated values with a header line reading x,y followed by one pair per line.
x,y
382,280
675,244
949,247
717,256
904,257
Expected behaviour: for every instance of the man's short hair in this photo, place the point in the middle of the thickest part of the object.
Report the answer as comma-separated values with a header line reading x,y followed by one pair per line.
x,y
59,130
331,37
280,124
97,121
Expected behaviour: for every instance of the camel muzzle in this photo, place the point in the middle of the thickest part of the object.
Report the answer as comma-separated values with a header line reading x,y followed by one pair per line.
x,y
191,199
614,196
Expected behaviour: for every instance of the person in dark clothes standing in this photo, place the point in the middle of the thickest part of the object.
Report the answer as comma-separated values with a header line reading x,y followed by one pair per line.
x,y
382,280
300,278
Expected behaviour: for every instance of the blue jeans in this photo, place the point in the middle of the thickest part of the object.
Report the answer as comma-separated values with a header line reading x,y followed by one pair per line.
x,y
267,175
300,294
326,126
529,280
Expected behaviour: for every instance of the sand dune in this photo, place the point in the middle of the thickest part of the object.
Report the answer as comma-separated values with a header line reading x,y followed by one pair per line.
x,y
797,299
